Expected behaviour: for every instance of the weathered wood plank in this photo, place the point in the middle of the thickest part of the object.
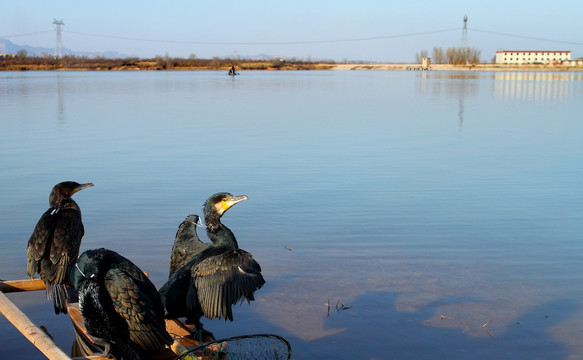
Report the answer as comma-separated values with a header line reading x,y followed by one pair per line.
x,y
27,328
9,286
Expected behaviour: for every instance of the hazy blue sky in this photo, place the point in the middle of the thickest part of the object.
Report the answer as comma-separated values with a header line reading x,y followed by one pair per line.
x,y
388,31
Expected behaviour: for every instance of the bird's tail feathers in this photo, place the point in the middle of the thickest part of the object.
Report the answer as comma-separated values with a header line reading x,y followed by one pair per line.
x,y
125,351
61,295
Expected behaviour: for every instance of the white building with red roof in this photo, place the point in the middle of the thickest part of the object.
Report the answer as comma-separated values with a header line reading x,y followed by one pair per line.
x,y
532,56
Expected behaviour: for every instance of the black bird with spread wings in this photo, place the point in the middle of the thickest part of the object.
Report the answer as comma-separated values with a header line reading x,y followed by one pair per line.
x,y
121,308
54,244
217,277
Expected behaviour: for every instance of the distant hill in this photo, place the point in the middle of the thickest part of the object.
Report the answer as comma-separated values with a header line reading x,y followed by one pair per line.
x,y
8,47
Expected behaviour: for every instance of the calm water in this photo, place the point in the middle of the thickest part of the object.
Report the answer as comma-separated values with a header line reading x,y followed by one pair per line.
x,y
443,210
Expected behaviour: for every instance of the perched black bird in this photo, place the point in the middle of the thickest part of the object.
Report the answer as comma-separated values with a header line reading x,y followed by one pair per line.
x,y
216,278
187,244
54,244
121,308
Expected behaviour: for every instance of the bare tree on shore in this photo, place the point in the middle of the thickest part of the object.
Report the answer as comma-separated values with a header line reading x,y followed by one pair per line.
x,y
438,56
452,55
462,55
420,55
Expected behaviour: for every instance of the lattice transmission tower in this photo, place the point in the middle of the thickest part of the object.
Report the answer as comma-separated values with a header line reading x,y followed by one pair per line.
x,y
465,33
59,47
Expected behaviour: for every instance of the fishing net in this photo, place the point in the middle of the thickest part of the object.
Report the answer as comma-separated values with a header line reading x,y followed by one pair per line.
x,y
245,347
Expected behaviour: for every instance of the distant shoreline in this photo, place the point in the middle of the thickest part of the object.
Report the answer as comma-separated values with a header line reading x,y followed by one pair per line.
x,y
240,65
448,67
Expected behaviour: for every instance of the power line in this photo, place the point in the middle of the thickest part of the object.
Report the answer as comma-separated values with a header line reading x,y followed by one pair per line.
x,y
27,34
526,37
267,43
297,42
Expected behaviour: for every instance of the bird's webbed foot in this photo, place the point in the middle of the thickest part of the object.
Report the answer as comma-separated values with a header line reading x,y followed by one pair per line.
x,y
106,352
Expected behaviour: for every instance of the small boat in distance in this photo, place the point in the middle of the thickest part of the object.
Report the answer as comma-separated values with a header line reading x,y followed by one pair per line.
x,y
232,71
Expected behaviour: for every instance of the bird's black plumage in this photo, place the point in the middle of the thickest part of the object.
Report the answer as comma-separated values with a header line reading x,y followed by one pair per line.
x,y
187,244
121,308
216,278
54,244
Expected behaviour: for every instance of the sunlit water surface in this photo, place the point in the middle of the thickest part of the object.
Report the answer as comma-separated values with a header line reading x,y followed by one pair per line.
x,y
410,215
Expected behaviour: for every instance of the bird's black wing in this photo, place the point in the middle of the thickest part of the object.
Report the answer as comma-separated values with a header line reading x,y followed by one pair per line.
x,y
223,280
37,244
106,327
64,250
187,244
135,298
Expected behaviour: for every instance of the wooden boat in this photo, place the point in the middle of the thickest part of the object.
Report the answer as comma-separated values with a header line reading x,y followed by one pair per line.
x,y
264,346
84,345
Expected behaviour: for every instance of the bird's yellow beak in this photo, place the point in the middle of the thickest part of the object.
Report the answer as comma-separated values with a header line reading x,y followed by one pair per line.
x,y
227,203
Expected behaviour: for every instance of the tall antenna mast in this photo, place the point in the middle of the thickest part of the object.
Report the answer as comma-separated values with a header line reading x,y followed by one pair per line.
x,y
59,47
465,33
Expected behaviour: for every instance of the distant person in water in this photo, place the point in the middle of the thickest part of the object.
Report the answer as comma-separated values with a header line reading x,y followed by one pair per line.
x,y
232,71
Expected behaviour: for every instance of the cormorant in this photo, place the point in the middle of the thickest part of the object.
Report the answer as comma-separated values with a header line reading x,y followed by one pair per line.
x,y
187,244
121,308
218,277
54,244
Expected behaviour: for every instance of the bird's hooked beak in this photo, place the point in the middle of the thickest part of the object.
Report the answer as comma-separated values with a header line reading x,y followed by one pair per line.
x,y
81,187
228,202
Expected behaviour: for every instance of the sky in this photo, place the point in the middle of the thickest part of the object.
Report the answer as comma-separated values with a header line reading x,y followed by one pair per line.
x,y
340,30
